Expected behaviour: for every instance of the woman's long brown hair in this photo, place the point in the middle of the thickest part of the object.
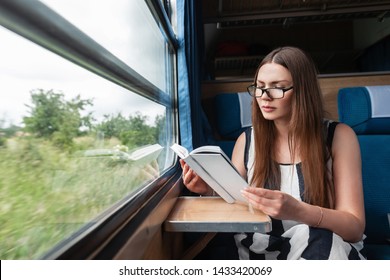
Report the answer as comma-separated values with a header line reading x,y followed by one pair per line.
x,y
306,131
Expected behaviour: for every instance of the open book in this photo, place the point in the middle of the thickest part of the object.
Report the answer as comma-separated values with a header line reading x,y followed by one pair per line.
x,y
216,169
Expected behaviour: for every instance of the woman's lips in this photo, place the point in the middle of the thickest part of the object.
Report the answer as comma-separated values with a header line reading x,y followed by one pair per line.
x,y
268,109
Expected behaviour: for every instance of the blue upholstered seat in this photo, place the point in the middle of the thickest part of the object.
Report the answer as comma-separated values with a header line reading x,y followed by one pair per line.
x,y
367,111
233,116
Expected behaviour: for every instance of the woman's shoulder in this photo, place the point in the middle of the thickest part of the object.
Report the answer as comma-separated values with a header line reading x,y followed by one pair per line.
x,y
241,139
244,138
345,139
344,131
329,130
338,133
239,154
328,123
337,126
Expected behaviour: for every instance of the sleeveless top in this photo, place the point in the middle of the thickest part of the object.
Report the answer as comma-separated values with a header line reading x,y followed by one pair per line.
x,y
290,239
291,174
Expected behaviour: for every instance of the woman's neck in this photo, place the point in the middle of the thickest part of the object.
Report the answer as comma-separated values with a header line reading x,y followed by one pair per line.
x,y
284,144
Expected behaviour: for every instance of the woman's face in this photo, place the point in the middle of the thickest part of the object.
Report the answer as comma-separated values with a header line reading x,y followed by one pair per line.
x,y
272,75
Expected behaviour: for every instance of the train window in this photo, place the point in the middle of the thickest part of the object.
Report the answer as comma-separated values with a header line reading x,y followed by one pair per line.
x,y
74,142
132,27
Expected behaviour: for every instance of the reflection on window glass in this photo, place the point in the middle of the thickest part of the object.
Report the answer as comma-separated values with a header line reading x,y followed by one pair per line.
x,y
71,145
126,29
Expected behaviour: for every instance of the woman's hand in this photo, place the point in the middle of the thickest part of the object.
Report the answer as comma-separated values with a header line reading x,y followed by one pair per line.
x,y
193,182
277,204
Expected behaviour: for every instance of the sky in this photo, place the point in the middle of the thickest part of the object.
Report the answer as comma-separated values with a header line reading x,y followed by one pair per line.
x,y
25,66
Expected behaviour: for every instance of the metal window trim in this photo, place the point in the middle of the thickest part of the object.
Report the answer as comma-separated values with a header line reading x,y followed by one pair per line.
x,y
163,22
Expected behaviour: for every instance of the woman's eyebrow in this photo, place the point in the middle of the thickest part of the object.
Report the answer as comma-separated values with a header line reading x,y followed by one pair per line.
x,y
273,82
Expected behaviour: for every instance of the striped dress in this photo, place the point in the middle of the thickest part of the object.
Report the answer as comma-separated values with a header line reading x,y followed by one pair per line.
x,y
289,239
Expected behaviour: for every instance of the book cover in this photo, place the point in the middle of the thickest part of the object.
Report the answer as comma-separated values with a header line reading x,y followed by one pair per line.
x,y
216,169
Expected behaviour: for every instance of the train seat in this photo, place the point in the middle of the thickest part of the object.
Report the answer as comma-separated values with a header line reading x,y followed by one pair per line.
x,y
367,111
233,115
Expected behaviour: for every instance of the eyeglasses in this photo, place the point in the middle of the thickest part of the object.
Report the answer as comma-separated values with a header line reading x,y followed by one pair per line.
x,y
273,93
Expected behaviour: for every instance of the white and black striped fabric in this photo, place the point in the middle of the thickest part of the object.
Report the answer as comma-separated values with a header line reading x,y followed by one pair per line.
x,y
288,239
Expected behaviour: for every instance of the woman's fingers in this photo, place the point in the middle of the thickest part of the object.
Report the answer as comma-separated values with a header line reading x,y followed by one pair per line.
x,y
191,179
258,194
188,175
182,163
268,201
274,203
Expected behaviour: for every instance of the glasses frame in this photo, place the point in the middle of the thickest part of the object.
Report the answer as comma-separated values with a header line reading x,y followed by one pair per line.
x,y
265,90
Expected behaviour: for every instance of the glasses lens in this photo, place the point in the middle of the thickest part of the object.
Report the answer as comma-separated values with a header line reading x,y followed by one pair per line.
x,y
252,90
275,93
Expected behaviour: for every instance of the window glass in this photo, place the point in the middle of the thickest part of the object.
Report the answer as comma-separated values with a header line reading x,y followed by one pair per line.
x,y
127,29
72,143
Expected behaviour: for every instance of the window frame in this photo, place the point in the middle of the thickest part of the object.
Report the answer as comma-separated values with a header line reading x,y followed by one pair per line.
x,y
102,237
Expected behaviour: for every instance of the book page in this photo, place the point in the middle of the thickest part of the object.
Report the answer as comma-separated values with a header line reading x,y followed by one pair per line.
x,y
208,149
180,150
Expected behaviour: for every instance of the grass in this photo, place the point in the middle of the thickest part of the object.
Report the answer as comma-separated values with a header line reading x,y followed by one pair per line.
x,y
47,194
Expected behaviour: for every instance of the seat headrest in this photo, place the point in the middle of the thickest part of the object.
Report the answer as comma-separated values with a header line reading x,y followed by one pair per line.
x,y
233,114
365,109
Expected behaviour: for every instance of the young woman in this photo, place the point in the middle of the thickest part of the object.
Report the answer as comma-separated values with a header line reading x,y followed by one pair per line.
x,y
304,171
